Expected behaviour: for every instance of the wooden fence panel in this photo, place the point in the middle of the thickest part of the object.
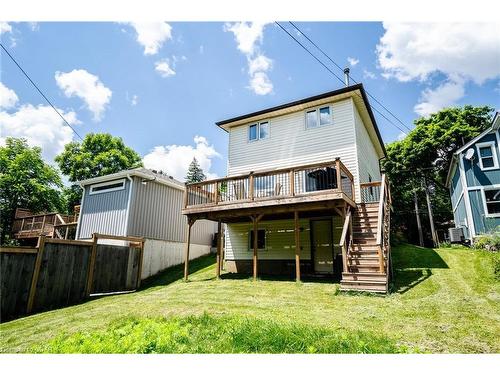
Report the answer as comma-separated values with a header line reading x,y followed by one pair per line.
x,y
63,275
116,269
16,270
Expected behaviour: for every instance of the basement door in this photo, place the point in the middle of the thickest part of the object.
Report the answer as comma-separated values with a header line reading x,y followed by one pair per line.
x,y
322,245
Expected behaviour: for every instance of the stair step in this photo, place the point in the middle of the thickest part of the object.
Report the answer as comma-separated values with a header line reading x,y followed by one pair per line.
x,y
364,247
365,257
364,228
365,241
364,234
375,268
364,276
375,287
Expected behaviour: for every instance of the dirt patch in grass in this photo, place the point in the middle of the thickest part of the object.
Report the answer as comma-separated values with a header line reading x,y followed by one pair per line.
x,y
209,334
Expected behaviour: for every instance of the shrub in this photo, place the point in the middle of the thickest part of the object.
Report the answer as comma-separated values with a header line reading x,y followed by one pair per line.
x,y
488,242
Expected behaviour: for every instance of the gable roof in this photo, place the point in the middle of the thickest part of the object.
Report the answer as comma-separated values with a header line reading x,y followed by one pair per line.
x,y
138,172
344,92
495,124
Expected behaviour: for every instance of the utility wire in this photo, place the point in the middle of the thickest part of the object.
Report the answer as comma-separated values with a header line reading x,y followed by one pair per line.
x,y
333,73
338,66
40,91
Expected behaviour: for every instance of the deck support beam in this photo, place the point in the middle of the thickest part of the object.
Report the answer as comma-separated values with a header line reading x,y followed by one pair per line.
x,y
297,246
191,221
219,249
255,219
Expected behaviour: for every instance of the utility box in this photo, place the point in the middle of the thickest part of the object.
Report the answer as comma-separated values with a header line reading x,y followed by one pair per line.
x,y
456,235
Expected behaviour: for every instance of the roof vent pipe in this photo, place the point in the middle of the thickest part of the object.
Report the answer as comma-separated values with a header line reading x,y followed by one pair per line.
x,y
346,76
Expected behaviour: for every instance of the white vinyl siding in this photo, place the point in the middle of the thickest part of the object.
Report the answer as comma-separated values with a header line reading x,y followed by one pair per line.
x,y
293,144
368,158
280,239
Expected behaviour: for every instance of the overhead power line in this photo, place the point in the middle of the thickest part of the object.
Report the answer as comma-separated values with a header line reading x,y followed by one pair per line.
x,y
338,66
40,91
335,75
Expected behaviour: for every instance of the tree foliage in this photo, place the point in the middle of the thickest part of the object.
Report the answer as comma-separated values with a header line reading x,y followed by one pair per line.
x,y
425,156
195,173
97,155
26,181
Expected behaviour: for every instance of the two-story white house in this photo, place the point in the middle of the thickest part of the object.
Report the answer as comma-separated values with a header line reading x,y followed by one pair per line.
x,y
304,194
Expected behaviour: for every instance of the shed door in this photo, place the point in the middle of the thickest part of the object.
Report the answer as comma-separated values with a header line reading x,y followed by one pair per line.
x,y
322,245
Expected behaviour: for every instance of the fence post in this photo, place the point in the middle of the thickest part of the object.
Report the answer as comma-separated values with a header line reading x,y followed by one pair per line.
x,y
90,273
139,270
36,273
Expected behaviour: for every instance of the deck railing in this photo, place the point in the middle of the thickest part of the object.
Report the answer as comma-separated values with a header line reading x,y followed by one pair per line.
x,y
370,191
275,184
49,224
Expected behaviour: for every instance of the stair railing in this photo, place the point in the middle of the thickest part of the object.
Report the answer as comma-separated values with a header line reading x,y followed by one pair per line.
x,y
383,225
343,243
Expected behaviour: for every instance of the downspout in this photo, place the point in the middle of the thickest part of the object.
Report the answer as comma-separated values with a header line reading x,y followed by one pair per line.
x,y
77,234
128,204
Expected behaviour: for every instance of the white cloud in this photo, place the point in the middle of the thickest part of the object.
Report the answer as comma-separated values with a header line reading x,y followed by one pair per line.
x,y
445,95
87,87
260,63
368,74
249,36
401,136
462,52
34,26
5,28
135,100
8,97
261,84
152,35
164,69
352,61
202,50
41,126
175,159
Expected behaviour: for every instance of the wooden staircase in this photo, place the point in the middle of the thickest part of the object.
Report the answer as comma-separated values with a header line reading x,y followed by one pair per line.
x,y
367,252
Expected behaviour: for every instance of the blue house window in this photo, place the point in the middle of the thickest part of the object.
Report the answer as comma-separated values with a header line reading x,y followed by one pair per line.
x,y
492,197
487,156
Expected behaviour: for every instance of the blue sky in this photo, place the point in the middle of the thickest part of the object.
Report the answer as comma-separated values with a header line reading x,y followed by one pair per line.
x,y
162,87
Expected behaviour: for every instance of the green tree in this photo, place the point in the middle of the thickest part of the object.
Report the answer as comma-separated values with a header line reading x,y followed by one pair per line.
x,y
97,155
195,173
425,155
25,181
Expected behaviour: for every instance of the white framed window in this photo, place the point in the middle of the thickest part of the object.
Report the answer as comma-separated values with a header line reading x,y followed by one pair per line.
x,y
258,131
491,196
261,239
106,187
487,155
320,116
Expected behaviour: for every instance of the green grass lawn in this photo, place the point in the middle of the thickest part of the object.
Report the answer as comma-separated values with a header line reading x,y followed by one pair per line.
x,y
444,300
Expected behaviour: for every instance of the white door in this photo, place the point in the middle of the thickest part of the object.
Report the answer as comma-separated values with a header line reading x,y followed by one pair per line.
x,y
322,246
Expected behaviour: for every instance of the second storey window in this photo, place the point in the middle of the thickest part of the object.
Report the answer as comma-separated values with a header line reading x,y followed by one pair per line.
x,y
258,131
487,155
318,117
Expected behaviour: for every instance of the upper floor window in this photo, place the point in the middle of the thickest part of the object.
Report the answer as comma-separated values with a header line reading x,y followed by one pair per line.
x,y
318,117
487,155
105,187
492,197
258,131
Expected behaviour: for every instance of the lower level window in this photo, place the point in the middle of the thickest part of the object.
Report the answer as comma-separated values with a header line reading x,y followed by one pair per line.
x,y
261,239
492,201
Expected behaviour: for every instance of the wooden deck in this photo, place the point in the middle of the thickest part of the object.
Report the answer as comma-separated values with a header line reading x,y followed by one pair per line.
x,y
280,191
29,226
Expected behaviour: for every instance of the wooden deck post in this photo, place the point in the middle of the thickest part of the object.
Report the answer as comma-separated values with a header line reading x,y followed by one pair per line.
x,y
219,249
255,220
255,247
186,249
90,272
36,273
339,175
297,246
139,266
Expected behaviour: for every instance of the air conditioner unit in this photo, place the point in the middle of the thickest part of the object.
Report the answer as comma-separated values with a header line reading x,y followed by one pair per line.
x,y
456,234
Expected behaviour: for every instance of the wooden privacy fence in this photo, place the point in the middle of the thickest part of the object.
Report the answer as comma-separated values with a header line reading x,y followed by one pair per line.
x,y
60,273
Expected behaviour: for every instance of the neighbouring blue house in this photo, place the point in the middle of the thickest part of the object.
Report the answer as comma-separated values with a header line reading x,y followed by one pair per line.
x,y
474,183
